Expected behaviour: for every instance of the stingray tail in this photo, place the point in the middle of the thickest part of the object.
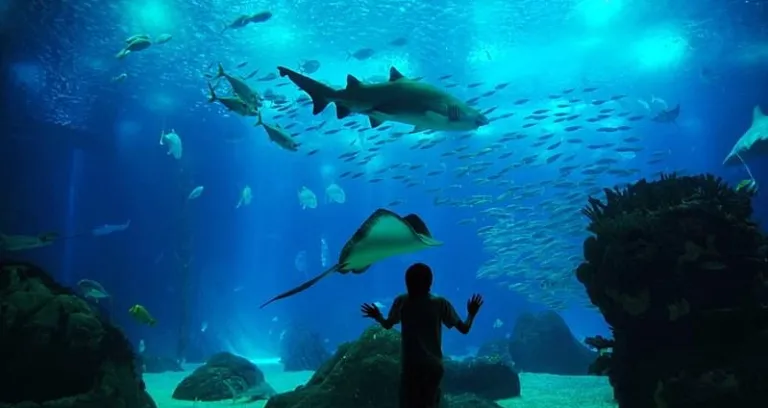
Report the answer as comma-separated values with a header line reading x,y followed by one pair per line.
x,y
304,286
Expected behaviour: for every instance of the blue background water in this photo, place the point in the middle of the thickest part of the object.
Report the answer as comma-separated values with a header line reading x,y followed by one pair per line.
x,y
78,151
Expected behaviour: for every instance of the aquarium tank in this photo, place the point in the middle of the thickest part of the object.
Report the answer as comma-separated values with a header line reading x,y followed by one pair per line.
x,y
392,203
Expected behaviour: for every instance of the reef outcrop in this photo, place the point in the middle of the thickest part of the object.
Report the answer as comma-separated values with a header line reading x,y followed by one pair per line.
x,y
302,349
56,351
678,269
541,343
366,373
224,376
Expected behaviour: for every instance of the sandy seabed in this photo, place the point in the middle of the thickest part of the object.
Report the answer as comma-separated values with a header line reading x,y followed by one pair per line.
x,y
538,390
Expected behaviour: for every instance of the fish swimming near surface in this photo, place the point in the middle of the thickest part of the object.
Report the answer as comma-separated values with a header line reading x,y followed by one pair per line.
x,y
753,143
398,100
109,228
383,235
667,115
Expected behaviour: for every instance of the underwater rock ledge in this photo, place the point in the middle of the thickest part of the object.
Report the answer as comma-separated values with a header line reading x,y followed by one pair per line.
x,y
366,373
56,351
678,269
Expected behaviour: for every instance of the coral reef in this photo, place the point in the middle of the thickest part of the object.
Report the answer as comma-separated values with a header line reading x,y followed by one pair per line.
x,y
56,351
541,343
366,373
224,376
678,269
602,364
301,349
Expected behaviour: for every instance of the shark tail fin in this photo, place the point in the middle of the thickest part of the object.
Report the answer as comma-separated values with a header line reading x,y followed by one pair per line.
x,y
221,72
317,91
260,122
304,286
212,98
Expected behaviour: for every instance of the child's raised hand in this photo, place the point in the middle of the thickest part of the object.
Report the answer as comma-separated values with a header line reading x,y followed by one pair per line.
x,y
370,310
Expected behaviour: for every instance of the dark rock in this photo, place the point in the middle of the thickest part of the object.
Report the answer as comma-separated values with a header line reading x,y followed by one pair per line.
x,y
365,373
678,269
56,351
485,377
497,350
301,349
156,365
224,376
543,343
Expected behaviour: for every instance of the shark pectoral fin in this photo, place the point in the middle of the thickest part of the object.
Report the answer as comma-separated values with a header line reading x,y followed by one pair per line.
x,y
304,286
342,111
374,122
395,75
757,114
353,82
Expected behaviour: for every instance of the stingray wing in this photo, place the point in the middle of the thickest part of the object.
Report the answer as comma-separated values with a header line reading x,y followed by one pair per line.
x,y
383,235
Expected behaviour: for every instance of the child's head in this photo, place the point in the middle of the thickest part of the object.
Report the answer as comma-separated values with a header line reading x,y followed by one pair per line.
x,y
418,279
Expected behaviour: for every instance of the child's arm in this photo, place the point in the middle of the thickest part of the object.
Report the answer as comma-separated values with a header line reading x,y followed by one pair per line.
x,y
393,317
452,319
465,326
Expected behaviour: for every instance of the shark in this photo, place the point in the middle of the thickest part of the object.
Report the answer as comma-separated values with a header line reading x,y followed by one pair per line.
x,y
24,242
667,115
382,235
107,229
753,143
398,99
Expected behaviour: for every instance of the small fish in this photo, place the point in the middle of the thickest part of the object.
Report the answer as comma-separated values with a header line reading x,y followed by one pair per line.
x,y
163,38
141,315
91,289
279,136
195,193
120,78
399,42
747,185
362,54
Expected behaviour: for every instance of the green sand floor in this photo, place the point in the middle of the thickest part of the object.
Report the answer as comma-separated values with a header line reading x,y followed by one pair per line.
x,y
539,390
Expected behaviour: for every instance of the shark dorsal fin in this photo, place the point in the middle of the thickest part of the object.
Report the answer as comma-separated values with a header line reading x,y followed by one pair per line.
x,y
395,75
757,114
353,82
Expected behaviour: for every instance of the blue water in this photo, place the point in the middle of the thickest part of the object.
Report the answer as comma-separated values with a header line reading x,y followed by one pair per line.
x,y
80,151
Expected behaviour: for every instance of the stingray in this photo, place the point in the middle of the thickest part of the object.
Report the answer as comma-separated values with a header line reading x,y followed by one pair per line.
x,y
753,143
383,235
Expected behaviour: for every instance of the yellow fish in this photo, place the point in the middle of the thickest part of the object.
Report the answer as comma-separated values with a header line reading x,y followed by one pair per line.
x,y
141,314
